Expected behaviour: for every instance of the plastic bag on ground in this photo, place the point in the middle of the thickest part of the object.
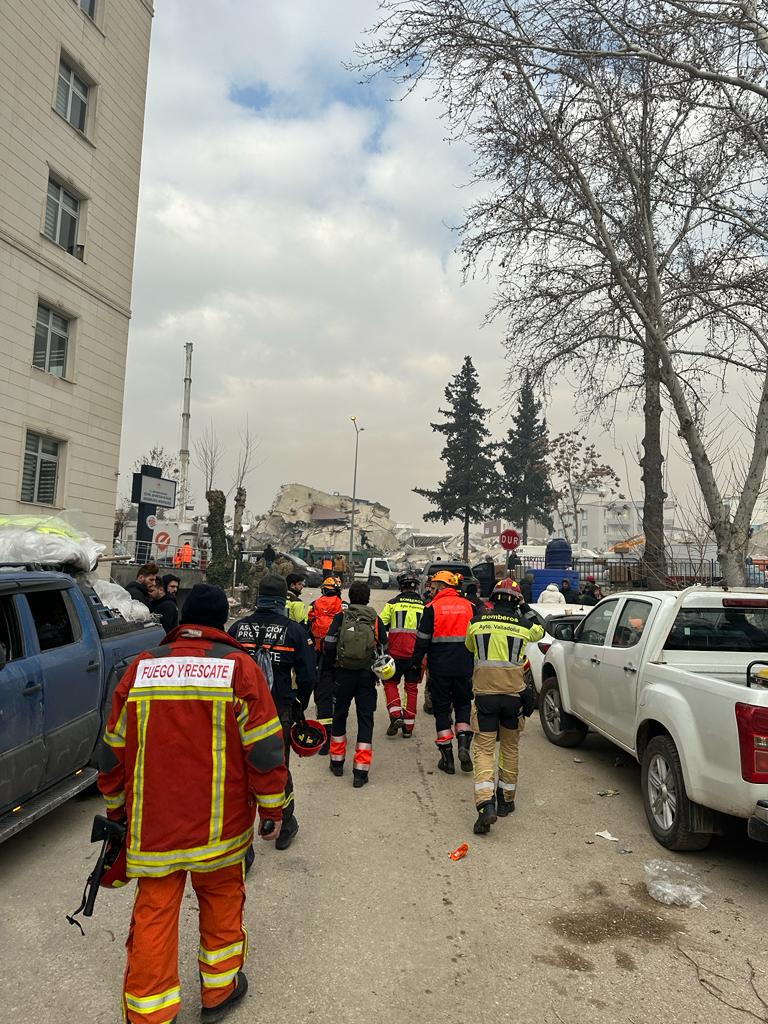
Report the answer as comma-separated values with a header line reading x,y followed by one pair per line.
x,y
113,596
674,884
47,540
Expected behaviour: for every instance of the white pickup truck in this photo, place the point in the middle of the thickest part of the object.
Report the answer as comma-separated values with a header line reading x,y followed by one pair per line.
x,y
675,680
378,572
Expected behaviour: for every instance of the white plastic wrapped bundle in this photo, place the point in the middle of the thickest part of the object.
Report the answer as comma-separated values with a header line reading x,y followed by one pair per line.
x,y
48,540
113,596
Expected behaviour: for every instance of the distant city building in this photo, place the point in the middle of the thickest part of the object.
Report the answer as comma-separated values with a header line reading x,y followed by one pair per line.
x,y
604,521
73,78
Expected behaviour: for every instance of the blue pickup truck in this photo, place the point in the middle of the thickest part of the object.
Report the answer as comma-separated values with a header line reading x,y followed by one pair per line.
x,y
62,653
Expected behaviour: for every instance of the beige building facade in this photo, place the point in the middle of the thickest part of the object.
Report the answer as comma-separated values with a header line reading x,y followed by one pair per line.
x,y
73,78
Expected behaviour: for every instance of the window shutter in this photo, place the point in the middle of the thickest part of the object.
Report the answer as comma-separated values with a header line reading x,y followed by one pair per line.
x,y
51,217
46,486
28,476
62,90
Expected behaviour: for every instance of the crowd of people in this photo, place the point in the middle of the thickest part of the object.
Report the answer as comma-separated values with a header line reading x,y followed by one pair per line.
x,y
208,721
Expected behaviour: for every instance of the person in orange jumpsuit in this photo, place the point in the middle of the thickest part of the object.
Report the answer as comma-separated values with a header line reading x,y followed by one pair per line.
x,y
193,748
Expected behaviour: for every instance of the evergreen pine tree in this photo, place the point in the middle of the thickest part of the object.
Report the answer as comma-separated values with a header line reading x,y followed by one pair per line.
x,y
524,490
470,477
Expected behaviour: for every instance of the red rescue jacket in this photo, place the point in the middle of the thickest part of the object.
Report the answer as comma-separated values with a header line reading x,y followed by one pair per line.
x,y
322,612
193,746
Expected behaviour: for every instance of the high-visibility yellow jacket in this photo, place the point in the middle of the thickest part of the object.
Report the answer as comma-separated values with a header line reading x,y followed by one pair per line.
x,y
402,616
297,610
497,638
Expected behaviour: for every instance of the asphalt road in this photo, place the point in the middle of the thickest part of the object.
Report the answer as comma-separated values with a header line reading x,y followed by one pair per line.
x,y
366,918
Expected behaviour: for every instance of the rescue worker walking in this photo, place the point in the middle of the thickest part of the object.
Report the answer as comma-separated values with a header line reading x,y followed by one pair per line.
x,y
297,610
402,615
193,746
497,639
289,648
441,637
353,642
321,614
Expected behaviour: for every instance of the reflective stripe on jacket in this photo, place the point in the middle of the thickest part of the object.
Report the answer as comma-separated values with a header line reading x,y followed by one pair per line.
x,y
442,634
402,616
193,745
498,638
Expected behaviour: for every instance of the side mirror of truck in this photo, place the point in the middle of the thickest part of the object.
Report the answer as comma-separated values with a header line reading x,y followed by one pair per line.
x,y
563,631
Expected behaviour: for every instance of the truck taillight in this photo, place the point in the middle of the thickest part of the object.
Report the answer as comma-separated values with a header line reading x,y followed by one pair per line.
x,y
544,646
752,724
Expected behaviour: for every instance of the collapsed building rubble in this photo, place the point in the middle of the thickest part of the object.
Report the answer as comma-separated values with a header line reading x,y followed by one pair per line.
x,y
305,517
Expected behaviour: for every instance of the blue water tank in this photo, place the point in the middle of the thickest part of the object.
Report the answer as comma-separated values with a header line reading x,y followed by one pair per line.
x,y
558,554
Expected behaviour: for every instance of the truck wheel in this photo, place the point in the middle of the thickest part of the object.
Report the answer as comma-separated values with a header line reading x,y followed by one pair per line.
x,y
559,727
375,582
667,807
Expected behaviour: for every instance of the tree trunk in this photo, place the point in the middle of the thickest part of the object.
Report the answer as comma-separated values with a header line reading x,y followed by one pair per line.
x,y
525,520
466,536
651,464
219,571
237,530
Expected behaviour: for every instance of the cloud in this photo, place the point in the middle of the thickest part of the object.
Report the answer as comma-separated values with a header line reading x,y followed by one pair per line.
x,y
299,228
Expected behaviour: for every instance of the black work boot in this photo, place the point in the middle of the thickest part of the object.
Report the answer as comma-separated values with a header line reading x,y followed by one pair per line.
x,y
486,816
445,764
395,725
465,759
337,767
359,779
212,1014
326,747
503,807
287,833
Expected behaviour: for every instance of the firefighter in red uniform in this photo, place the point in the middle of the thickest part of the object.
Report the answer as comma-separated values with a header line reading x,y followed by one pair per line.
x,y
441,637
193,747
322,612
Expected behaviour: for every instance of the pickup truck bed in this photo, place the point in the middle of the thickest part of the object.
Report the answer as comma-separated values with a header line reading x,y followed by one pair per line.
x,y
61,655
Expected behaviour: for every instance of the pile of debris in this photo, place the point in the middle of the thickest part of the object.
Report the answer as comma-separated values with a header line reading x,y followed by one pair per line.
x,y
303,516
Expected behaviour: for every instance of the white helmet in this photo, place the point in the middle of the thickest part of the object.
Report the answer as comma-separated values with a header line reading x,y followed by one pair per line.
x,y
384,667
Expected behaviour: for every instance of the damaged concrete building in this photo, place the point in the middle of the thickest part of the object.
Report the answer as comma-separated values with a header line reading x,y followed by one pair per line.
x,y
305,517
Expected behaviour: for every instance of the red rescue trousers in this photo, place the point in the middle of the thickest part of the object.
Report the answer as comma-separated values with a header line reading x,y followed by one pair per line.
x,y
411,677
152,992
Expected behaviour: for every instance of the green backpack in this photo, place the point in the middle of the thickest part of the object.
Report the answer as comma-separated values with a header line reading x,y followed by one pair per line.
x,y
357,638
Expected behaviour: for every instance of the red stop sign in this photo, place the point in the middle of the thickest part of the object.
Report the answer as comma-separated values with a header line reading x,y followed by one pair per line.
x,y
510,540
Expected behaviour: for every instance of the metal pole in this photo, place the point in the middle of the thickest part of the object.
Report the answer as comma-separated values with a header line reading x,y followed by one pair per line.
x,y
354,495
181,514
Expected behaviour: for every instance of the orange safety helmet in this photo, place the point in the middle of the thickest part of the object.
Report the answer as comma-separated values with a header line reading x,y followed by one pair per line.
x,y
329,583
448,578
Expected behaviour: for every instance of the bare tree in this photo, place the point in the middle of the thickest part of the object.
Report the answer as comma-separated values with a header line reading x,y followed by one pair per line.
x,y
577,469
249,445
626,222
209,452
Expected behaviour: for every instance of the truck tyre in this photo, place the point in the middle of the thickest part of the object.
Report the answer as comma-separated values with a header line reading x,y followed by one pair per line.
x,y
375,582
669,812
559,727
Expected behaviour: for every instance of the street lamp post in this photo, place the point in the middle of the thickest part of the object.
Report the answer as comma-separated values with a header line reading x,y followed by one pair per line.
x,y
358,431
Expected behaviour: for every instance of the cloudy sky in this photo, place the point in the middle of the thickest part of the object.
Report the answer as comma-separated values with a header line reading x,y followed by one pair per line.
x,y
297,227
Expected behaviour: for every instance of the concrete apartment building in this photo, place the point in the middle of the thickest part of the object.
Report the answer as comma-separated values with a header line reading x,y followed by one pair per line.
x,y
73,79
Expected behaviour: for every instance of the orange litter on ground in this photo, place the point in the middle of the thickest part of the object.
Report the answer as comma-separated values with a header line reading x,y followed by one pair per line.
x,y
459,852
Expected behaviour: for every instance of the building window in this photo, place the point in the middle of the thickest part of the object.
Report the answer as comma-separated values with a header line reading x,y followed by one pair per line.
x,y
62,213
71,97
89,6
51,338
41,469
